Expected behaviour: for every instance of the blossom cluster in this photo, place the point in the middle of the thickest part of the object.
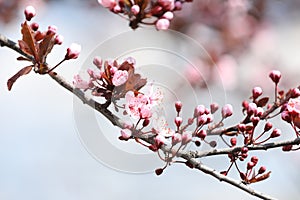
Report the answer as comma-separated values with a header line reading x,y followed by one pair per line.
x,y
39,44
111,80
159,12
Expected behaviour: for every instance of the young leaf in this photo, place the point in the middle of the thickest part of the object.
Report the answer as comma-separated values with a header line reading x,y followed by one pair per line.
x,y
46,46
13,79
262,102
28,38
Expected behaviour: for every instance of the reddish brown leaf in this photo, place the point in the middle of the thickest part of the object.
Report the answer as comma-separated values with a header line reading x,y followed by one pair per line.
x,y
134,82
13,79
21,58
262,102
28,38
24,47
45,47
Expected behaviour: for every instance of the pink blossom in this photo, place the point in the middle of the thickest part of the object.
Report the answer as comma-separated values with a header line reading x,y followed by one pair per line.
x,y
98,62
256,92
79,83
107,3
186,138
29,12
167,4
131,60
52,29
252,108
162,24
176,138
199,110
160,140
120,77
227,111
275,75
293,107
59,39
135,9
145,111
178,121
73,51
135,103
126,133
168,15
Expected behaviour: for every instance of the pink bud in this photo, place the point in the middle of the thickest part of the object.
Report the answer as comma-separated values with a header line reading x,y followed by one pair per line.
x,y
34,26
162,24
259,112
116,9
178,121
227,111
276,133
146,122
233,141
59,39
51,30
245,104
186,138
176,138
262,170
252,109
214,107
295,93
160,140
242,127
29,12
256,92
250,165
268,126
125,133
210,118
244,150
98,62
199,110
168,15
255,120
275,75
254,159
107,3
73,51
202,120
178,5
120,77
178,106
202,134
135,9
285,115
79,83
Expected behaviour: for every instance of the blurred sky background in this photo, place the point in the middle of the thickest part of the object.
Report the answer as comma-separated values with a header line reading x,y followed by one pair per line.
x,y
41,153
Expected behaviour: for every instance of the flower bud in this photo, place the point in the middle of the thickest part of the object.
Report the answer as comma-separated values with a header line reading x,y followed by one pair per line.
x,y
29,12
255,120
34,26
256,92
199,110
227,111
73,51
168,15
252,109
276,133
162,24
233,141
214,107
186,138
250,165
176,138
295,92
254,159
178,121
59,39
262,170
178,106
268,126
275,75
135,9
201,134
159,171
242,127
125,133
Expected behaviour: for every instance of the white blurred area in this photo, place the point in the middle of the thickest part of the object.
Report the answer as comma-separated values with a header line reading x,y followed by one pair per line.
x,y
41,155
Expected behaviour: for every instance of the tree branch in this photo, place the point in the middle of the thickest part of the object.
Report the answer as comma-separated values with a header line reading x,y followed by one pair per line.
x,y
188,156
250,148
